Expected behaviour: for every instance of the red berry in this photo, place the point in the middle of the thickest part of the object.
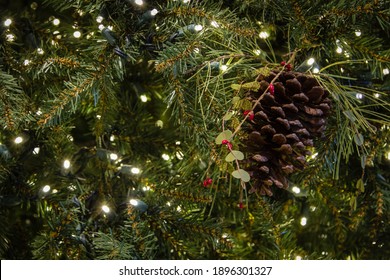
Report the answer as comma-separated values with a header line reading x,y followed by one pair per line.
x,y
225,142
209,181
271,89
288,67
230,146
251,116
246,112
283,63
241,205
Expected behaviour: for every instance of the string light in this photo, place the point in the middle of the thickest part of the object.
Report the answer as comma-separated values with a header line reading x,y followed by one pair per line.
x,y
358,33
144,98
139,2
36,150
56,21
298,258
316,70
339,50
46,189
377,95
257,52
303,221
133,202
296,190
105,209
101,26
165,157
99,19
310,61
113,156
388,155
179,155
26,62
264,35
215,24
18,140
135,170
112,138
359,96
77,34
10,37
66,164
223,68
40,51
386,71
198,27
7,22
154,12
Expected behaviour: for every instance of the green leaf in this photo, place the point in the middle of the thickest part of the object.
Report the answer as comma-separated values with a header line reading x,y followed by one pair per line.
x,y
236,86
363,159
359,139
233,155
224,135
246,104
350,115
360,185
353,203
227,116
248,86
241,174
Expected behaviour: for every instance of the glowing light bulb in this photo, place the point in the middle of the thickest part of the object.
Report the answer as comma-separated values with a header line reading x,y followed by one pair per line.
x,y
215,24
339,50
112,138
56,21
40,51
10,37
178,209
386,71
99,19
377,95
66,164
46,188
310,61
316,70
165,157
257,52
179,155
296,190
7,22
36,150
186,1
388,155
134,202
77,34
358,33
198,27
18,140
359,95
139,2
154,12
264,35
105,209
303,221
135,170
223,68
113,156
101,26
298,258
26,62
196,50
144,98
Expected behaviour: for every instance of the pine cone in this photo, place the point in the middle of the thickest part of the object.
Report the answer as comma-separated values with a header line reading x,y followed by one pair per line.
x,y
284,126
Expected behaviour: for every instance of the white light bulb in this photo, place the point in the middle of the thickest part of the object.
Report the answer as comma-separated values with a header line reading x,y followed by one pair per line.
x,y
77,34
113,156
105,209
223,68
179,155
36,150
359,95
165,157
303,221
198,27
40,51
377,95
339,50
56,21
26,62
186,1
298,258
110,27
257,52
46,188
139,2
316,70
196,50
66,164
134,202
310,61
99,19
358,33
10,37
296,190
215,24
135,170
386,71
112,138
264,35
101,27
8,22
178,209
154,12
144,98
388,155
18,140
55,191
